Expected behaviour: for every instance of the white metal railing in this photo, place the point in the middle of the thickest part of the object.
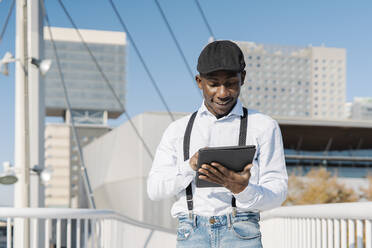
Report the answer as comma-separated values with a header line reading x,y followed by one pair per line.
x,y
82,228
338,225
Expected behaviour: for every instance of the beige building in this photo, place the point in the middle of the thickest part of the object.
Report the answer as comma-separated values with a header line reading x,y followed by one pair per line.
x,y
61,156
295,81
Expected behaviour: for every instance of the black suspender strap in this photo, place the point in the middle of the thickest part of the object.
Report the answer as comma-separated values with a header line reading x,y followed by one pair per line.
x,y
242,142
243,127
186,154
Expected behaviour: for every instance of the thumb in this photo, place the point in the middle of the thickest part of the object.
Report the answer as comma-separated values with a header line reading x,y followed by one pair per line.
x,y
247,168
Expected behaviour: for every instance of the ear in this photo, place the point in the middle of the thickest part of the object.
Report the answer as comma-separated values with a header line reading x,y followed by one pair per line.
x,y
198,80
242,75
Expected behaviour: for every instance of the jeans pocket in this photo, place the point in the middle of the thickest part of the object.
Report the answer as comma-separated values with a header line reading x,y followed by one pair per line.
x,y
184,230
246,229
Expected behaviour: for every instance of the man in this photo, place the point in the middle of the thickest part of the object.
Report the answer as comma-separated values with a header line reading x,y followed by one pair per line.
x,y
225,216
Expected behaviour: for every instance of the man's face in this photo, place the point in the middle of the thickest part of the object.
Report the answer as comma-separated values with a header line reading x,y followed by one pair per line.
x,y
221,90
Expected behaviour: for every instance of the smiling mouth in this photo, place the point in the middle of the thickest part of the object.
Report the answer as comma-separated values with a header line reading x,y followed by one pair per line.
x,y
223,103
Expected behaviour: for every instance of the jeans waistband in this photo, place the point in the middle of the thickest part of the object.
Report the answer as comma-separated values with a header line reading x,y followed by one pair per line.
x,y
220,220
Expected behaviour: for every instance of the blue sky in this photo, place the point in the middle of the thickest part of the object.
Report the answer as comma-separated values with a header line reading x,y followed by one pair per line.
x,y
334,23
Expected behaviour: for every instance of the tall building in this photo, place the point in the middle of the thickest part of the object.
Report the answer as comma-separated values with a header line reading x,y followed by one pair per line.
x,y
61,155
361,108
91,100
295,81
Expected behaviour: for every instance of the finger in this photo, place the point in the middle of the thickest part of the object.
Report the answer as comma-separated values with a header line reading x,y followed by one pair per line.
x,y
211,179
226,172
214,171
210,175
247,168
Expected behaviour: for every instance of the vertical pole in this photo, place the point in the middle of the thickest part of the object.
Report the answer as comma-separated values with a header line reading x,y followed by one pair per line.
x,y
21,143
36,110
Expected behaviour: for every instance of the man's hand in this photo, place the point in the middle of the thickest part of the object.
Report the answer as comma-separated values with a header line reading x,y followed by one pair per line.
x,y
216,173
194,161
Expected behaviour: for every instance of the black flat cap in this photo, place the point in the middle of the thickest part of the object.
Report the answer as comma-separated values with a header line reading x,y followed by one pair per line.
x,y
221,55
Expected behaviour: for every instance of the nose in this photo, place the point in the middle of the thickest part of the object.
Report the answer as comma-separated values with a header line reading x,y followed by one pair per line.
x,y
223,92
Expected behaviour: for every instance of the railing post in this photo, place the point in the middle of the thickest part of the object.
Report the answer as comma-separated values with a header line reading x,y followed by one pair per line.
x,y
359,233
368,233
324,233
330,233
47,232
343,234
295,231
58,236
351,233
337,233
318,233
9,233
313,233
68,233
78,233
308,233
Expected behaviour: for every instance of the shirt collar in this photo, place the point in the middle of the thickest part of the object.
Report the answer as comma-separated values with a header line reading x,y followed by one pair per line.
x,y
237,109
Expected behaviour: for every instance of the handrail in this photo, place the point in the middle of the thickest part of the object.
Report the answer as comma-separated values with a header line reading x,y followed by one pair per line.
x,y
68,213
355,210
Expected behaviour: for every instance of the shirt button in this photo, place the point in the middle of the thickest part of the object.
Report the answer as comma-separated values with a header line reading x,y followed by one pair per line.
x,y
212,220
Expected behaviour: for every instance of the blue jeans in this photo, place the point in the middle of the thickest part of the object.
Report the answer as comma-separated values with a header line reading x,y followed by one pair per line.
x,y
223,231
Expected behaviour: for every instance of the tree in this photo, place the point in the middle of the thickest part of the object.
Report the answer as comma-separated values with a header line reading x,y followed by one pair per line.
x,y
367,192
318,187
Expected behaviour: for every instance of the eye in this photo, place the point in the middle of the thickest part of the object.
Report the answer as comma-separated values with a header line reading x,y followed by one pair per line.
x,y
231,84
213,84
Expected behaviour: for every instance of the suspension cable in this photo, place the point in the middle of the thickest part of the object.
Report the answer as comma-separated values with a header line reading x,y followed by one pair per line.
x,y
177,44
108,82
7,20
68,105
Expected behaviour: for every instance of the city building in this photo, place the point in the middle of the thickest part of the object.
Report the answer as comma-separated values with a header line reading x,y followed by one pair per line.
x,y
361,109
86,88
295,81
92,103
62,159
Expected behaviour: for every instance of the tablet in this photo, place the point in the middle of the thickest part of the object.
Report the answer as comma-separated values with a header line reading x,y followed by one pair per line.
x,y
232,157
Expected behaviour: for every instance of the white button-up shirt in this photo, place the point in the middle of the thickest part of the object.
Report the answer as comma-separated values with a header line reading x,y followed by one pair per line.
x,y
170,174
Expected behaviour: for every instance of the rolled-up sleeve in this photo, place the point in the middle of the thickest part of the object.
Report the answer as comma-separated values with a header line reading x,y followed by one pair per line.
x,y
271,190
168,177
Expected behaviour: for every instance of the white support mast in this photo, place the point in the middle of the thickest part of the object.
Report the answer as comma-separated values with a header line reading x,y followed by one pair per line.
x,y
29,116
21,144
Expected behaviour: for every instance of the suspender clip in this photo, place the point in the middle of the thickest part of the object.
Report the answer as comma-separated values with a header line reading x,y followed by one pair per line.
x,y
233,211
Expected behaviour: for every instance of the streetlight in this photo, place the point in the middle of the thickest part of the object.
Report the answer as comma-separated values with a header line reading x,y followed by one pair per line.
x,y
8,176
43,64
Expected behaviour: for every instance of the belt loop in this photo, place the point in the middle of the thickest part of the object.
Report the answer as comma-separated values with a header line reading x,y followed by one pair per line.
x,y
191,214
228,216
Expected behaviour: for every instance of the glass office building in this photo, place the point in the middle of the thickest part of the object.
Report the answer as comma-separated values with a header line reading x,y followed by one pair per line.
x,y
86,87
